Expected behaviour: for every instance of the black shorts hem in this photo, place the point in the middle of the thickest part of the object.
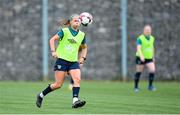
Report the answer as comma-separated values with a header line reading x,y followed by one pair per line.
x,y
63,65
139,62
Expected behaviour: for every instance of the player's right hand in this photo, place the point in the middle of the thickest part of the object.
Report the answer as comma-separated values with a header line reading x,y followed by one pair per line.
x,y
54,54
142,59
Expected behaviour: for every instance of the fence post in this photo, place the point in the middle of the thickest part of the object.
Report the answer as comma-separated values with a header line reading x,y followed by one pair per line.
x,y
124,38
45,38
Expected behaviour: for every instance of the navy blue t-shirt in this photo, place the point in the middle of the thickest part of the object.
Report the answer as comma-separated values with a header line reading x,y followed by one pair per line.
x,y
73,32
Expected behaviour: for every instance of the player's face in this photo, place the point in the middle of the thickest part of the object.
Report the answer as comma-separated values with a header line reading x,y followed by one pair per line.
x,y
75,22
147,30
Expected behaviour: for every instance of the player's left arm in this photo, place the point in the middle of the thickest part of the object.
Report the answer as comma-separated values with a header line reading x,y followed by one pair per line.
x,y
154,52
83,53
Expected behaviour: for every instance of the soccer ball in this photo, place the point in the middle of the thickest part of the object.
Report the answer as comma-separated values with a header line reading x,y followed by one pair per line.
x,y
86,18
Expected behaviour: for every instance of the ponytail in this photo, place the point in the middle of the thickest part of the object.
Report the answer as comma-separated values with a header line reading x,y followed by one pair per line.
x,y
64,22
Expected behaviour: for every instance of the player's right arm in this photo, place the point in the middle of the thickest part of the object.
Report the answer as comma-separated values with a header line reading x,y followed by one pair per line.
x,y
139,50
52,45
52,41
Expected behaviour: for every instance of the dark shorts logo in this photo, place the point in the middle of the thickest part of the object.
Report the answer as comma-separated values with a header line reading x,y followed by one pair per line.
x,y
59,66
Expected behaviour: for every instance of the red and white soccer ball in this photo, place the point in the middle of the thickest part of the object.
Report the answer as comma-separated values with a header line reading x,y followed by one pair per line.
x,y
86,18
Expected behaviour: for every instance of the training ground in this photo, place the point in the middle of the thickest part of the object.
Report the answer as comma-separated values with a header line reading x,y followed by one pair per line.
x,y
103,97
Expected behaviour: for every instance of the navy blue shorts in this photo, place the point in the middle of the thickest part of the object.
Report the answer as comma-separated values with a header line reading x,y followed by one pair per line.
x,y
63,65
139,62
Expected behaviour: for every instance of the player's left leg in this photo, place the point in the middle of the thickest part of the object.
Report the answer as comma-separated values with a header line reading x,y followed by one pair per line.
x,y
151,70
71,81
76,76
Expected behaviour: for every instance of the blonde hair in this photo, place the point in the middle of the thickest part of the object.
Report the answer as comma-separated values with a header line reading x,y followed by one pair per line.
x,y
66,22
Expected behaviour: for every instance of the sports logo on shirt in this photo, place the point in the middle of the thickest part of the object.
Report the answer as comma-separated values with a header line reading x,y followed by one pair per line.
x,y
71,40
69,48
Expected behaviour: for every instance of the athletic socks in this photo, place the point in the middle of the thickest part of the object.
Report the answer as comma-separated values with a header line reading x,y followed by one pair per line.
x,y
151,78
46,91
75,93
75,99
41,95
136,79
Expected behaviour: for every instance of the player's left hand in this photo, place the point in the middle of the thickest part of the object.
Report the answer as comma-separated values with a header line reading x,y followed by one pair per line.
x,y
81,60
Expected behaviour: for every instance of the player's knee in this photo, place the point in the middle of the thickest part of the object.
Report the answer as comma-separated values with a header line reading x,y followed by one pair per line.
x,y
77,82
152,70
56,85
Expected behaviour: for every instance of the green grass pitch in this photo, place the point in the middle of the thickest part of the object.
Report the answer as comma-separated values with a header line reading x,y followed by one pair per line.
x,y
102,97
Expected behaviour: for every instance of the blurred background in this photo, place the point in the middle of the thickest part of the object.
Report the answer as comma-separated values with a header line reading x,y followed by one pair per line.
x,y
21,43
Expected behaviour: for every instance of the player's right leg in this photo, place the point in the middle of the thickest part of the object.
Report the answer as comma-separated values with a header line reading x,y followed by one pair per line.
x,y
60,70
59,79
139,70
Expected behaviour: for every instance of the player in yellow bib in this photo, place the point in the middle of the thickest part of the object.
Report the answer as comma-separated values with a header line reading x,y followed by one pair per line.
x,y
70,39
145,57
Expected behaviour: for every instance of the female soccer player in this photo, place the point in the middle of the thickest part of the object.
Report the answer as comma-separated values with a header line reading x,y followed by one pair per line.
x,y
70,40
145,56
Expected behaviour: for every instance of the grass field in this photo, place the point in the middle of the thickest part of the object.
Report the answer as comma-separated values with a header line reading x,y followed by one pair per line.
x,y
102,98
